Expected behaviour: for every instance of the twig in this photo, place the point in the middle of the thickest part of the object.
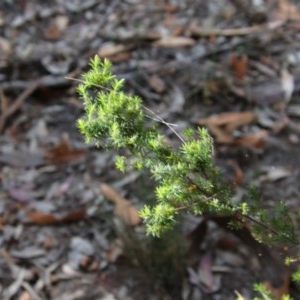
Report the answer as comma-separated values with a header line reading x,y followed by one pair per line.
x,y
17,103
169,125
197,30
45,81
266,227
31,291
15,286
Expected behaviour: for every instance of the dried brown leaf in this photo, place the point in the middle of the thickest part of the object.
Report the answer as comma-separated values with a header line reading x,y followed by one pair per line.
x,y
223,125
111,49
123,208
230,120
175,41
74,216
256,140
64,152
239,64
287,84
42,218
279,291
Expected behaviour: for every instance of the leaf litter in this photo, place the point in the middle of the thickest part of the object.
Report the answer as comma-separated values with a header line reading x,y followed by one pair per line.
x,y
248,63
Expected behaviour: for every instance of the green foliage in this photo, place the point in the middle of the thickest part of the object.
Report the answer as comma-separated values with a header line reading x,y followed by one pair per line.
x,y
187,179
296,275
271,224
265,294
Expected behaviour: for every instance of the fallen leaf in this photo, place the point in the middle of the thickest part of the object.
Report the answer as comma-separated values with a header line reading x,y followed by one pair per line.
x,y
157,84
223,125
41,218
239,64
255,140
287,84
74,216
175,41
230,120
123,208
64,152
279,291
110,49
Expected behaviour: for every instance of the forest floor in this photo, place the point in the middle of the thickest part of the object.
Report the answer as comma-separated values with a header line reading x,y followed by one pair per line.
x,y
230,65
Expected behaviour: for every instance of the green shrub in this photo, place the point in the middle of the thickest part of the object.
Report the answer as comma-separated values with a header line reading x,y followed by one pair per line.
x,y
187,179
186,176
